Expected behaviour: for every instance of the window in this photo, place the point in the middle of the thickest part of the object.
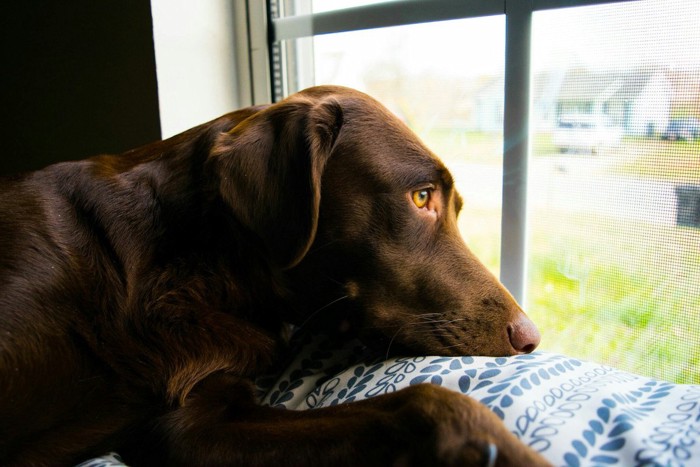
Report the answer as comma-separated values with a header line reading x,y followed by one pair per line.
x,y
581,124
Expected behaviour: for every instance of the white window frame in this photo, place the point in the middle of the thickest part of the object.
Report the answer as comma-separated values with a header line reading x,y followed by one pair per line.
x,y
260,28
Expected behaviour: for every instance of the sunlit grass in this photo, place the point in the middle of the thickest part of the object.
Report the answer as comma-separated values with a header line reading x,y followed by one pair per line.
x,y
677,161
465,146
629,298
481,231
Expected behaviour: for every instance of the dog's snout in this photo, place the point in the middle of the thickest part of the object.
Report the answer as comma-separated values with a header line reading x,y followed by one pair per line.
x,y
523,334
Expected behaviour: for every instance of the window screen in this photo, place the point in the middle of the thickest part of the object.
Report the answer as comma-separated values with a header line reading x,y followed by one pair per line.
x,y
614,198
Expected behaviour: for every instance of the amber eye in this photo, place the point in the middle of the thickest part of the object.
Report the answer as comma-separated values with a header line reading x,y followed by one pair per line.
x,y
421,197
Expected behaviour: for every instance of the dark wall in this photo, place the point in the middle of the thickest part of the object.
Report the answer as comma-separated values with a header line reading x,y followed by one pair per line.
x,y
78,79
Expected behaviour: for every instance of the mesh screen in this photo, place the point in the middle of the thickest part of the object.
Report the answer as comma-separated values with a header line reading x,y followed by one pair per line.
x,y
614,251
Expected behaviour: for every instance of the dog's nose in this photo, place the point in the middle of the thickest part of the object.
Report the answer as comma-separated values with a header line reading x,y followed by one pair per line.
x,y
523,335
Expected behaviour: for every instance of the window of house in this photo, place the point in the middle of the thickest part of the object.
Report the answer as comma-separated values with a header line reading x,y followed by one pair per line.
x,y
607,96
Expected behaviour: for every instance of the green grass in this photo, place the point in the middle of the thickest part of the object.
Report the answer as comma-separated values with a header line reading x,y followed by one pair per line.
x,y
543,143
481,229
625,295
465,146
677,161
634,332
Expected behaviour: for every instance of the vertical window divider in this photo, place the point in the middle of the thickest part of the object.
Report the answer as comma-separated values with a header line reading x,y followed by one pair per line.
x,y
516,146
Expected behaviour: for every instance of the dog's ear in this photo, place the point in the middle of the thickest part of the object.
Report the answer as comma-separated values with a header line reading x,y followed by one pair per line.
x,y
269,169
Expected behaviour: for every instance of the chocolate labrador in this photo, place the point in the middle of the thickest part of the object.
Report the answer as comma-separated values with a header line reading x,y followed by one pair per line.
x,y
140,294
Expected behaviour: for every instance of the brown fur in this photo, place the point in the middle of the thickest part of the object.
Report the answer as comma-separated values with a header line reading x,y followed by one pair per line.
x,y
141,293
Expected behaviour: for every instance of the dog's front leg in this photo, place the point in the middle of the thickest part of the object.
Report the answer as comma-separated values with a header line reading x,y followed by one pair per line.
x,y
220,424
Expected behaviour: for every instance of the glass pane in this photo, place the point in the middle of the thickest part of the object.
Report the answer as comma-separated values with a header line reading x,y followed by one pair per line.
x,y
614,252
449,91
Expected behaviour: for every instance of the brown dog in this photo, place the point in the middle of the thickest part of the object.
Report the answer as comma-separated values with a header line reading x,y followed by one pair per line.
x,y
141,293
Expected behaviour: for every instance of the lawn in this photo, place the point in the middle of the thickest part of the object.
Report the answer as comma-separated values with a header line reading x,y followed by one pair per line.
x,y
677,161
465,146
624,293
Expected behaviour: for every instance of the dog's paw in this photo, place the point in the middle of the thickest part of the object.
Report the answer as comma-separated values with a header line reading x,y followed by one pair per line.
x,y
443,427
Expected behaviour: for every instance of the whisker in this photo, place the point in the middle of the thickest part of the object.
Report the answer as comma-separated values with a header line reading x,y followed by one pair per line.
x,y
453,346
312,315
388,348
335,281
321,247
417,322
423,322
413,315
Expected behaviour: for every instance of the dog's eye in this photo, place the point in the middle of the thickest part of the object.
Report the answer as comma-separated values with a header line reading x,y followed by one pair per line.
x,y
421,198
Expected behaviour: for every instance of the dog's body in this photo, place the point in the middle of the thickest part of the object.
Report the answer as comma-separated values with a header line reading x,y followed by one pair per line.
x,y
140,294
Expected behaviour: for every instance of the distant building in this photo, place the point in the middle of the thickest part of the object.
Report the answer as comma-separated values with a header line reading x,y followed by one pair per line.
x,y
639,101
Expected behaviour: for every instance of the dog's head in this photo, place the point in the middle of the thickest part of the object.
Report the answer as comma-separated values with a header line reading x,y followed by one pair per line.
x,y
358,211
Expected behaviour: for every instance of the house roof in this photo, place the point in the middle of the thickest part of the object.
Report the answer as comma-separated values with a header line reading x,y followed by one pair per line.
x,y
585,85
